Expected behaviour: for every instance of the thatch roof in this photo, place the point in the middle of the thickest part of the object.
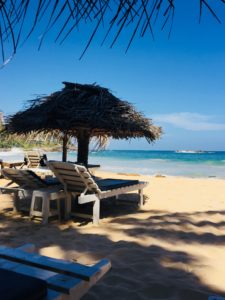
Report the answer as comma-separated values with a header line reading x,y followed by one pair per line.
x,y
84,106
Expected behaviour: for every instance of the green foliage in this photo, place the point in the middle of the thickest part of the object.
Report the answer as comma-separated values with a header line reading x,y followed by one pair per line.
x,y
9,143
12,140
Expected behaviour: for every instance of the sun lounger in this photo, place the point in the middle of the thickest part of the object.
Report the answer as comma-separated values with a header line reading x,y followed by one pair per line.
x,y
77,180
28,276
28,179
33,159
41,191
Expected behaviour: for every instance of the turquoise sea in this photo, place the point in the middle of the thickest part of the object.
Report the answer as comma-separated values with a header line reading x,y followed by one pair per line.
x,y
207,164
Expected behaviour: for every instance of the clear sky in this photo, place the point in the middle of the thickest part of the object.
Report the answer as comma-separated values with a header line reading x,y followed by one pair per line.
x,y
178,82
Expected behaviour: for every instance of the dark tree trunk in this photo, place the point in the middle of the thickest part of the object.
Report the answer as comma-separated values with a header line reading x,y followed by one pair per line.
x,y
64,152
83,139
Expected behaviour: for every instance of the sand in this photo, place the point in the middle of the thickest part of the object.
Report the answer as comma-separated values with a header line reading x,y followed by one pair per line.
x,y
174,248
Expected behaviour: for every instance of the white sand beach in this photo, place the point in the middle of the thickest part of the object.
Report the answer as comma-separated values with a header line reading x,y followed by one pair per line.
x,y
174,248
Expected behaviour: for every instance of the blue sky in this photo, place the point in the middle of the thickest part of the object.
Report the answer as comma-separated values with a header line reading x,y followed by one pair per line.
x,y
179,82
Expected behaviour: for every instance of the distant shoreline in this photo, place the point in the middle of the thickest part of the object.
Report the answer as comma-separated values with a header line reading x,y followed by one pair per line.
x,y
46,149
152,163
71,148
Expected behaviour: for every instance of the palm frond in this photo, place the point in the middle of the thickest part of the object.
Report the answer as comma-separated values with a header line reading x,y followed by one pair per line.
x,y
68,15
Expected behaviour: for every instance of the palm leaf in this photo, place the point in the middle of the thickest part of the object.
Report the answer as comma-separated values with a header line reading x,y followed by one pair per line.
x,y
68,15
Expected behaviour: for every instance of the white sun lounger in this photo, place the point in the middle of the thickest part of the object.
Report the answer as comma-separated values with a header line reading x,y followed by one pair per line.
x,y
27,275
29,184
33,159
77,180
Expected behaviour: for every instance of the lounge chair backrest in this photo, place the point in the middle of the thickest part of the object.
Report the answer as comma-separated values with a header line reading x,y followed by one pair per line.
x,y
33,159
75,178
24,178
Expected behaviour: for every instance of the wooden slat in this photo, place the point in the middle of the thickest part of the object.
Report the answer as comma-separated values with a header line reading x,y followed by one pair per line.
x,y
60,286
33,165
13,176
114,192
12,164
10,190
6,171
80,184
51,264
73,178
75,183
58,282
23,177
33,158
71,166
72,172
72,188
78,179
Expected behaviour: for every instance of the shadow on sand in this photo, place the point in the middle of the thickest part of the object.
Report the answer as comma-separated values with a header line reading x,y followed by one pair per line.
x,y
138,272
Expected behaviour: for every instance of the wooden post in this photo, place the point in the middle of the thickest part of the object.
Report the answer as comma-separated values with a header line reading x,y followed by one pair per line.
x,y
83,139
64,148
96,212
67,205
141,200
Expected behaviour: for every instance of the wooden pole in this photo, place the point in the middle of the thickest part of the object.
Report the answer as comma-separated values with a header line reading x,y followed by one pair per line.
x,y
64,148
83,139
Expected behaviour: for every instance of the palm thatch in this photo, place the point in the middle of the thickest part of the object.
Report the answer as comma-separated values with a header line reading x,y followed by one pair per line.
x,y
70,14
83,111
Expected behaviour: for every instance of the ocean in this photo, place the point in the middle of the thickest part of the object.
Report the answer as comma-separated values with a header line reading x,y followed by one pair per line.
x,y
170,163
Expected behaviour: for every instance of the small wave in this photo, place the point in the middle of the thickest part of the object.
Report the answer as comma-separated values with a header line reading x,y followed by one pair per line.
x,y
14,151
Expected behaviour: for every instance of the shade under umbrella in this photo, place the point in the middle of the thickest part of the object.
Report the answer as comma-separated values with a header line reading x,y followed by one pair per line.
x,y
83,111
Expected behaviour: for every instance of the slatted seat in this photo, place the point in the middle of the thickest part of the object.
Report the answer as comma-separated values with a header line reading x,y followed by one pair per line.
x,y
33,159
26,275
77,180
27,178
41,192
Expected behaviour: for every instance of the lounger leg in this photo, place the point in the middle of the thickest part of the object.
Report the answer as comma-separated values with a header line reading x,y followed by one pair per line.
x,y
45,211
45,203
45,208
58,208
96,211
68,205
141,200
16,202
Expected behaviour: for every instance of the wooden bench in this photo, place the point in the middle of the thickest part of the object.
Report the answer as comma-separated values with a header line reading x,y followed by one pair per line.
x,y
64,280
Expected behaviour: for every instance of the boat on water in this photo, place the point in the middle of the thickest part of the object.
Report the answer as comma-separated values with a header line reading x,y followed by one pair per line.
x,y
190,151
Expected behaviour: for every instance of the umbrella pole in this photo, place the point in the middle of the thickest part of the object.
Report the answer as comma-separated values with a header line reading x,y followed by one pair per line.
x,y
83,139
64,152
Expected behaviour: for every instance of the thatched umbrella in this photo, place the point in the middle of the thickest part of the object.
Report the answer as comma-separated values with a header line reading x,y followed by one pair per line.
x,y
83,111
